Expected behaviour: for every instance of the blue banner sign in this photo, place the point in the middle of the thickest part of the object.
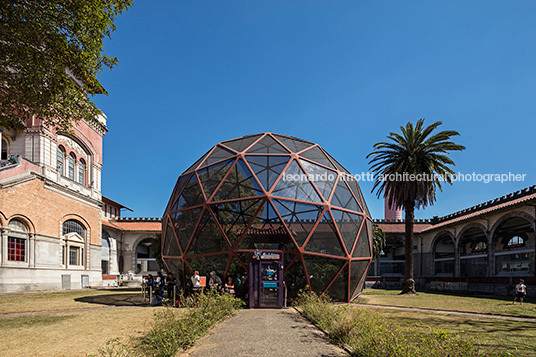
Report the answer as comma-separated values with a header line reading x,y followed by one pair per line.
x,y
269,284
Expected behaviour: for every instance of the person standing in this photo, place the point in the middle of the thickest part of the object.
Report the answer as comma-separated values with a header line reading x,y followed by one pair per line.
x,y
196,282
521,291
214,281
171,283
229,286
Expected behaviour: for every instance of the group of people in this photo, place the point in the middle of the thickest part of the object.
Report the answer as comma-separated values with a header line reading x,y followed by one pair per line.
x,y
214,282
168,285
159,285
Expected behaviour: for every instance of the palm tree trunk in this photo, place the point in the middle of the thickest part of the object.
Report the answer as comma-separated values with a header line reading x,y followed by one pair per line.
x,y
409,282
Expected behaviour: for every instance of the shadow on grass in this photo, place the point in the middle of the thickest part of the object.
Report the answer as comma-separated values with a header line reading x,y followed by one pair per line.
x,y
32,321
114,300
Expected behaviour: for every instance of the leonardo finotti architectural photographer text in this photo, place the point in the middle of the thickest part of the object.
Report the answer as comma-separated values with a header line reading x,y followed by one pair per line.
x,y
407,177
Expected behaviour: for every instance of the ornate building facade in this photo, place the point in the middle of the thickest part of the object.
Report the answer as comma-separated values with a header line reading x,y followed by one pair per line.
x,y
50,206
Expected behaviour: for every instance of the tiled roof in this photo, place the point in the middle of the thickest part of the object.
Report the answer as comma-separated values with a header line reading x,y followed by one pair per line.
x,y
399,227
135,225
475,211
424,225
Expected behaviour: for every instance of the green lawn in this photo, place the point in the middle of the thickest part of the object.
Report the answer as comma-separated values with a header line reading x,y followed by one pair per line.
x,y
498,305
494,336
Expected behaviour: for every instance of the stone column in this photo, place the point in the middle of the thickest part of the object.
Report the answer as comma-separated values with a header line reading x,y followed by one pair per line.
x,y
491,254
113,262
456,258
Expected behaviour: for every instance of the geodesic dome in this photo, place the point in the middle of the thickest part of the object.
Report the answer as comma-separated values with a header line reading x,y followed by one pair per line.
x,y
270,192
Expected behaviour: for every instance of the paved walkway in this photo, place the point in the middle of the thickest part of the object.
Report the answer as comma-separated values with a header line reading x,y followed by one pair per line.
x,y
266,332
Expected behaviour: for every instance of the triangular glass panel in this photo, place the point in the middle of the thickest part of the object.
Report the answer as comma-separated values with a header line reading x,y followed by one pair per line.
x,y
267,232
295,185
321,271
294,277
362,248
348,224
267,168
171,247
191,195
211,176
300,218
242,143
207,237
357,278
219,153
338,290
325,239
175,266
181,182
240,183
267,145
235,216
196,164
323,178
238,272
352,183
237,269
204,265
342,197
317,155
294,145
184,223
337,164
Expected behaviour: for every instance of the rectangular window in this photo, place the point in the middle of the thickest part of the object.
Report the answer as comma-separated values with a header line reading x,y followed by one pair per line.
x,y
16,249
75,255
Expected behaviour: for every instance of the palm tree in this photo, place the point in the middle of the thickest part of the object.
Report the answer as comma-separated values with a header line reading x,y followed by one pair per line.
x,y
408,170
378,243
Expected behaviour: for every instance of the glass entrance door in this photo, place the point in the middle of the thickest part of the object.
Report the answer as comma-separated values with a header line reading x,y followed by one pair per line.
x,y
266,279
270,284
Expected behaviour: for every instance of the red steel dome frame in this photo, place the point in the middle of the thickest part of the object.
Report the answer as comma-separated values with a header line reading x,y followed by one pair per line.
x,y
270,191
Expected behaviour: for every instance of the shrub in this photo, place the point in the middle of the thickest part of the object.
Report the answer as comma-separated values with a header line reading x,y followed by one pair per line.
x,y
178,329
365,333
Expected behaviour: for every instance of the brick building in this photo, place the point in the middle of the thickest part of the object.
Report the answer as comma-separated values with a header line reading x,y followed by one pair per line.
x,y
50,206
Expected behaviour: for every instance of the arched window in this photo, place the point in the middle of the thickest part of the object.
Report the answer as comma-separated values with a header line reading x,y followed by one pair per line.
x,y
4,150
71,226
60,159
17,241
75,246
82,172
516,241
105,255
70,166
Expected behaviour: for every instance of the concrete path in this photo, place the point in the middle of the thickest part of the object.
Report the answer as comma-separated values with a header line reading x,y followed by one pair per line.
x,y
266,332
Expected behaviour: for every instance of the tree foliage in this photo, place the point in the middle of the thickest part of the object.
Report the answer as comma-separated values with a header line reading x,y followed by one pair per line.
x,y
378,240
408,169
43,45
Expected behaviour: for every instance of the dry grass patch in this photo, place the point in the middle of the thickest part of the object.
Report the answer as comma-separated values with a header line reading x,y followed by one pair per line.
x,y
499,305
72,334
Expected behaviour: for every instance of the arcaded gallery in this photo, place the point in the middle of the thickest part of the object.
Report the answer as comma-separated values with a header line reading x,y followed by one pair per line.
x,y
274,213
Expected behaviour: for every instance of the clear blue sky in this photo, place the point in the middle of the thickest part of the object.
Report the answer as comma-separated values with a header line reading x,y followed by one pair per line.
x,y
339,73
